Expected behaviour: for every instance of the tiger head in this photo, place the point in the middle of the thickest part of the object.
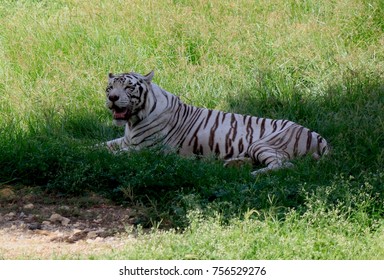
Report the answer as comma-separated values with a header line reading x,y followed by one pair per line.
x,y
127,94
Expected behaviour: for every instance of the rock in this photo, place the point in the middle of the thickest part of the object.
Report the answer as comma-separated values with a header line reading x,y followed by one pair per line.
x,y
22,225
34,226
58,218
92,235
31,218
9,216
65,221
55,218
77,231
22,215
7,194
77,235
99,239
138,220
29,206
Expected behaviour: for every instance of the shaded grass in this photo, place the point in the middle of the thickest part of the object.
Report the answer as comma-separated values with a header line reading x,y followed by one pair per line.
x,y
58,154
349,116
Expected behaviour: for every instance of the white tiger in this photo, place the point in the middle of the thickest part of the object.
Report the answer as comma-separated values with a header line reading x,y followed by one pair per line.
x,y
153,116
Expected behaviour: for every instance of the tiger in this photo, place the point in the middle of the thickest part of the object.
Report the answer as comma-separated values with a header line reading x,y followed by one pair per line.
x,y
152,116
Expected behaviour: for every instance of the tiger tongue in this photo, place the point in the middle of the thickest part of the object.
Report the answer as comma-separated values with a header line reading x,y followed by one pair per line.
x,y
120,115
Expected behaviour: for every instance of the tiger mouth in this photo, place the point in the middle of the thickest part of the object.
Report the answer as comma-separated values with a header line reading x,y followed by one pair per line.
x,y
120,113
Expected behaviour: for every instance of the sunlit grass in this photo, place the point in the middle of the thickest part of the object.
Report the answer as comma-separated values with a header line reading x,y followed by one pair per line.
x,y
312,236
65,48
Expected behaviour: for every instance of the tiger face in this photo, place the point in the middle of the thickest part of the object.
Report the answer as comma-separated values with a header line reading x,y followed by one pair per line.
x,y
126,95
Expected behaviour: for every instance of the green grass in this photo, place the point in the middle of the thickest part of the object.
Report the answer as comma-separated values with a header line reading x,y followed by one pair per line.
x,y
317,63
315,235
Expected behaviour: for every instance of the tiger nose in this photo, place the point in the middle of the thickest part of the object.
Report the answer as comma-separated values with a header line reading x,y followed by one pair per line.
x,y
113,98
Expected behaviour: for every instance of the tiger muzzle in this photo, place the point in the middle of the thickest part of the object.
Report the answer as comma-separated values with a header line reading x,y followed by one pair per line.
x,y
120,113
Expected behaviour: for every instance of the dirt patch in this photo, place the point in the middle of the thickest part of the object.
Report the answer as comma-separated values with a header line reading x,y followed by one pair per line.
x,y
34,224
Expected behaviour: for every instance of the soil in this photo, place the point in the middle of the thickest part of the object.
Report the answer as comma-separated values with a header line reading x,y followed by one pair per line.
x,y
37,225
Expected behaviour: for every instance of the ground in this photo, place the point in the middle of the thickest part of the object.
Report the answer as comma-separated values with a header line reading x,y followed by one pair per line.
x,y
40,225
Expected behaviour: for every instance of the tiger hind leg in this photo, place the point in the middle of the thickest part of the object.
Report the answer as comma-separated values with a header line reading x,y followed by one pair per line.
x,y
238,162
273,158
273,166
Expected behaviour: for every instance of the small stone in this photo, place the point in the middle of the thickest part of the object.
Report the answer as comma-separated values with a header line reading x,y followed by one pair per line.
x,y
65,221
77,235
34,226
46,223
31,218
22,225
92,234
9,216
55,218
7,194
22,215
29,206
58,218
76,231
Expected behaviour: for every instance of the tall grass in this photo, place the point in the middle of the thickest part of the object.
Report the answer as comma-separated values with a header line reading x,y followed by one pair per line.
x,y
318,63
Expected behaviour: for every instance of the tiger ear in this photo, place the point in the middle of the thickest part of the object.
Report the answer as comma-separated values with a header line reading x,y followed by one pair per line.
x,y
110,75
149,76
